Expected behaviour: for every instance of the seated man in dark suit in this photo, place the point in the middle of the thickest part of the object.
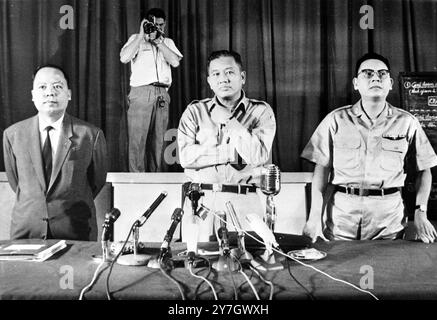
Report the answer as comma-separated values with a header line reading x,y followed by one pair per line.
x,y
55,163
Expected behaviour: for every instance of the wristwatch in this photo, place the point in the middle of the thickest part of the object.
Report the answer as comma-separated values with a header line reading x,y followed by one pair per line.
x,y
422,207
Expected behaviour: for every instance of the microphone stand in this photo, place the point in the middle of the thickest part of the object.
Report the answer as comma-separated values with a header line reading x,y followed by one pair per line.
x,y
137,259
107,231
270,216
165,255
194,192
270,186
241,253
134,259
225,261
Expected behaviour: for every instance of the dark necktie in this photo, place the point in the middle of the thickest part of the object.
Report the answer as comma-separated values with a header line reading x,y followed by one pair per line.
x,y
47,156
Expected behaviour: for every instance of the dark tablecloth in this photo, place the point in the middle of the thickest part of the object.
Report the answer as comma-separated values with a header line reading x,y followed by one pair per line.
x,y
397,269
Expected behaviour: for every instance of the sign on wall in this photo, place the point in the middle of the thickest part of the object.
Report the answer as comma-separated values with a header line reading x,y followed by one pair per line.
x,y
419,96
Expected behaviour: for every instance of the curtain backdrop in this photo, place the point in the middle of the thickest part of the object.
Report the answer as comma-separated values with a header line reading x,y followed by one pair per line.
x,y
299,56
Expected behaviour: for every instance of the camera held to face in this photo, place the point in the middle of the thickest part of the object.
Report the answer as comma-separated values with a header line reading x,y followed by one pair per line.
x,y
150,27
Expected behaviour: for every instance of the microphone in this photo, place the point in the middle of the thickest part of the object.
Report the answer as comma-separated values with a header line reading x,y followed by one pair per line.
x,y
194,192
152,208
192,228
176,218
262,230
270,186
268,260
242,253
164,253
223,234
108,224
110,218
137,259
271,180
112,215
225,260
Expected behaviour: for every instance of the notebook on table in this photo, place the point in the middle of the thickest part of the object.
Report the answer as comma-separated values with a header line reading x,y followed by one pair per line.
x,y
30,249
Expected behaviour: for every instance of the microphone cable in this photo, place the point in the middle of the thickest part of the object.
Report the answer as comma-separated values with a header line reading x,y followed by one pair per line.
x,y
108,292
168,276
327,275
240,270
95,276
309,294
206,276
272,287
190,267
233,283
250,284
306,265
238,228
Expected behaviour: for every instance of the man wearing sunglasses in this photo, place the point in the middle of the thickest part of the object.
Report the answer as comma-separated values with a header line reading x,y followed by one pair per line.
x,y
360,152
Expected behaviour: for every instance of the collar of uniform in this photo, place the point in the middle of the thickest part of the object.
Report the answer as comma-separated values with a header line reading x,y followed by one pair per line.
x,y
357,110
243,101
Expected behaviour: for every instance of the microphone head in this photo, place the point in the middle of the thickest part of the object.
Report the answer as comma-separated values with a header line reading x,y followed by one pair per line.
x,y
261,229
194,192
177,214
234,217
271,180
203,212
112,215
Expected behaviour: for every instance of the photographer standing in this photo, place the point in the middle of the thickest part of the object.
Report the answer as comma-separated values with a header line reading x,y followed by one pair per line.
x,y
151,54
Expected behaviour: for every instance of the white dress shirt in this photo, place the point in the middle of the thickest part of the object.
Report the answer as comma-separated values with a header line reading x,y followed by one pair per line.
x,y
54,133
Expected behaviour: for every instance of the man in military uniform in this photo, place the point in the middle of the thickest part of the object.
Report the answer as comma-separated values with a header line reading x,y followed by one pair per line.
x,y
224,141
360,151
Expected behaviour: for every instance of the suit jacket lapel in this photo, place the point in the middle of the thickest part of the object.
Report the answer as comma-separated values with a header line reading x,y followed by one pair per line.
x,y
34,147
64,146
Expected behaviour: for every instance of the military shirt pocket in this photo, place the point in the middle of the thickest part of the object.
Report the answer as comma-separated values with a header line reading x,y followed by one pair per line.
x,y
393,154
347,152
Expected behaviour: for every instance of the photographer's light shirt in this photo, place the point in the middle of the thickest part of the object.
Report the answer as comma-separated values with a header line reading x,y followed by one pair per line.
x,y
149,65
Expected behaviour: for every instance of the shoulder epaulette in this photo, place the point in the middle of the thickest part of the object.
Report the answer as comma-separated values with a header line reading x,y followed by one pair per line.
x,y
202,101
256,101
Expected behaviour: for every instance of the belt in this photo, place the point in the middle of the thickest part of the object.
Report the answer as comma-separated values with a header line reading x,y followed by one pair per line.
x,y
233,188
366,192
159,84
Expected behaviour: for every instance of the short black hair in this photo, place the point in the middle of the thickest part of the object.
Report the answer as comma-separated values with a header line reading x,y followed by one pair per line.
x,y
156,12
53,66
368,56
225,53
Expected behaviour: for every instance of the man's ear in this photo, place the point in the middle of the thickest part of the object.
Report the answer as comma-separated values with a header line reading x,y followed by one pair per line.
x,y
243,77
355,83
69,94
209,82
391,83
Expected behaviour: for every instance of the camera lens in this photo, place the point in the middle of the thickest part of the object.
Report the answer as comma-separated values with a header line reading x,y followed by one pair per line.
x,y
149,27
